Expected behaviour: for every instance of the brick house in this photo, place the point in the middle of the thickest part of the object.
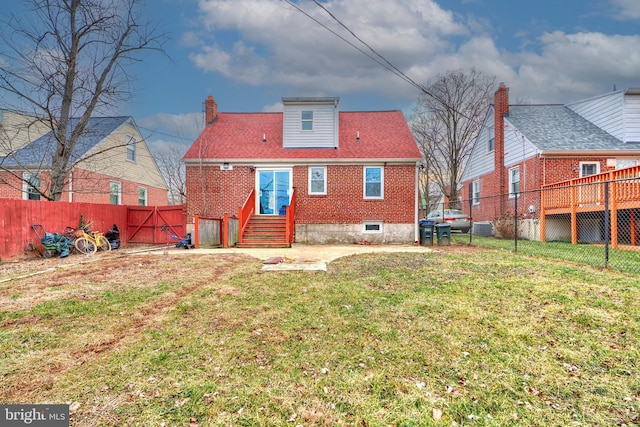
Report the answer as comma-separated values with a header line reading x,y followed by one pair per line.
x,y
112,163
524,147
343,176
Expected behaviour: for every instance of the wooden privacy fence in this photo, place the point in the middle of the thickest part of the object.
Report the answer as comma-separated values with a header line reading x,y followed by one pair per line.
x,y
215,231
156,224
18,216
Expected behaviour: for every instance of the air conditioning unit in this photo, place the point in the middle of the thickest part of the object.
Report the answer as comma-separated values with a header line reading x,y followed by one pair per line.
x,y
482,229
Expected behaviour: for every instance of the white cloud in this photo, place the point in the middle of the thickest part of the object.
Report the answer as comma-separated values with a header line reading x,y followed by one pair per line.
x,y
626,9
280,45
166,132
578,65
275,44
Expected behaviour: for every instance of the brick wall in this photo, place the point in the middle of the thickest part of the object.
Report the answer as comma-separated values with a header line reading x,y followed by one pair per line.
x,y
89,187
213,192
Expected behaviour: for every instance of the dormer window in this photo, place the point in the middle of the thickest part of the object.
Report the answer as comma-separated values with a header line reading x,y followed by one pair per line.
x,y
307,120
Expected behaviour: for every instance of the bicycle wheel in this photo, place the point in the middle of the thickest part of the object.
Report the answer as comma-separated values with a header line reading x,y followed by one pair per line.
x,y
103,243
85,246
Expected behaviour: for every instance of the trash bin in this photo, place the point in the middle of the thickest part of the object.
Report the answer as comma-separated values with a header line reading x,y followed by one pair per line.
x,y
443,232
426,233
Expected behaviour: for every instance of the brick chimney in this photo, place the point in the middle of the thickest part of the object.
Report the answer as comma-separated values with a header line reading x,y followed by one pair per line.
x,y
211,110
501,108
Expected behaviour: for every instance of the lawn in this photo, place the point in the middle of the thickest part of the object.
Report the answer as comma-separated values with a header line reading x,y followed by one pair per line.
x,y
455,337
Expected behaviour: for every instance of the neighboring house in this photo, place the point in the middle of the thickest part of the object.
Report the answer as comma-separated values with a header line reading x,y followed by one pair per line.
x,y
524,147
112,163
346,176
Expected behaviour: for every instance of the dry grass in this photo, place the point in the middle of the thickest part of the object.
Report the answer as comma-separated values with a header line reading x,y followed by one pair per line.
x,y
456,337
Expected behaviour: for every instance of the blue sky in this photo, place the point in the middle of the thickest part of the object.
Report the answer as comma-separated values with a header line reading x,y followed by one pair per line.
x,y
249,54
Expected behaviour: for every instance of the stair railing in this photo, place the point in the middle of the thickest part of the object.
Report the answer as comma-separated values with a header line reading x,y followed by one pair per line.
x,y
245,212
290,218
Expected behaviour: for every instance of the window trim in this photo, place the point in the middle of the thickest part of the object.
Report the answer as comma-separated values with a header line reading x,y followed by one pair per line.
x,y
364,183
589,163
118,185
511,181
379,224
491,141
475,189
306,120
324,181
146,196
131,154
28,187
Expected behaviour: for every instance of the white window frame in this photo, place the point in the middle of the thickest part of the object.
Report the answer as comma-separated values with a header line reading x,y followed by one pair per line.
x,y
512,181
582,164
324,180
29,189
475,192
146,196
306,120
131,149
491,142
366,224
117,186
364,183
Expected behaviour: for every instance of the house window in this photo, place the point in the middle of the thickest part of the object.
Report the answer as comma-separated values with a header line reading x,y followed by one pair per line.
x,y
589,168
621,164
514,181
31,187
372,227
492,136
318,180
142,196
307,120
131,149
475,191
373,183
115,193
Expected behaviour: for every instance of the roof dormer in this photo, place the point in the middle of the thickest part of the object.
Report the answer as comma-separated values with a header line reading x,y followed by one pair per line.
x,y
310,122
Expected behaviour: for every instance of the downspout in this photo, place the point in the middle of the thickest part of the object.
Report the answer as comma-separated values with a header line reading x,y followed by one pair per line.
x,y
416,230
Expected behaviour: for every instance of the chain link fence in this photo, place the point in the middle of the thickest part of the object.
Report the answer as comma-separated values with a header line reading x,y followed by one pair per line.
x,y
596,224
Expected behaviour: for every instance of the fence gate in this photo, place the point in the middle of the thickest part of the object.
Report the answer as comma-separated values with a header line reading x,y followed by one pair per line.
x,y
156,225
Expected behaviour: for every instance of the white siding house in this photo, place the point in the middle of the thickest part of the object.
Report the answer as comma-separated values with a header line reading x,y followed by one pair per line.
x,y
310,122
616,112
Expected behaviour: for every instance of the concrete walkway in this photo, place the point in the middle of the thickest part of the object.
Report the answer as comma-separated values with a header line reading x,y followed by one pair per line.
x,y
299,256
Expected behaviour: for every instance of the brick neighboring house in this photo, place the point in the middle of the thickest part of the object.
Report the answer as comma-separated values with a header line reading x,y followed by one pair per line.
x,y
354,173
523,147
112,163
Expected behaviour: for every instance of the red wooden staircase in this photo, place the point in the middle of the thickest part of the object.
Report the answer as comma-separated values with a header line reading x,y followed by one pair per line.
x,y
265,231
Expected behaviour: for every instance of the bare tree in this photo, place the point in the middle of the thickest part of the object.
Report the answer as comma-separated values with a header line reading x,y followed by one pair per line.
x,y
173,170
445,123
67,63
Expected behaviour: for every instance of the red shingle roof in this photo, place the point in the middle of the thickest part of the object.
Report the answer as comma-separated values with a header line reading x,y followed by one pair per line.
x,y
384,135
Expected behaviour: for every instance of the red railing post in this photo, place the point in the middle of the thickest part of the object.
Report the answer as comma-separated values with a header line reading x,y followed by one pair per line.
x,y
224,230
196,225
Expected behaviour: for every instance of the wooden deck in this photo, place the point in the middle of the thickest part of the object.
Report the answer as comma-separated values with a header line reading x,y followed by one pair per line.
x,y
617,191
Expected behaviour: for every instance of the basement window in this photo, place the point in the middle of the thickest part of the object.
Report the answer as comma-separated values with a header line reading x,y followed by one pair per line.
x,y
372,227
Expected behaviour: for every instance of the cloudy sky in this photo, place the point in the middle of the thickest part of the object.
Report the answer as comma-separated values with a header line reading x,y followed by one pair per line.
x,y
249,54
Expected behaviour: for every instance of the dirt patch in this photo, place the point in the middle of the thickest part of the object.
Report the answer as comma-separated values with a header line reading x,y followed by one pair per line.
x,y
84,281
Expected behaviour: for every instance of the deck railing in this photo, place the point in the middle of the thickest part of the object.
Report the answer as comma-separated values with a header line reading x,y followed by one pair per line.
x,y
612,191
586,192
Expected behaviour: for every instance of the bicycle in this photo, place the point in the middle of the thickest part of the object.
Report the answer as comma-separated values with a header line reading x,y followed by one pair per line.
x,y
88,242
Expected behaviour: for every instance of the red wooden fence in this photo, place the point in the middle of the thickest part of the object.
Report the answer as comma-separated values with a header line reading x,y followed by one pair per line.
x,y
18,216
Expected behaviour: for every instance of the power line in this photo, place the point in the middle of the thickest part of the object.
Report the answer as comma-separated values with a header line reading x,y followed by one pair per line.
x,y
384,62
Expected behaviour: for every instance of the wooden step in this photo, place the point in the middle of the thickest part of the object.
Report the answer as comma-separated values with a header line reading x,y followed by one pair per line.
x,y
265,231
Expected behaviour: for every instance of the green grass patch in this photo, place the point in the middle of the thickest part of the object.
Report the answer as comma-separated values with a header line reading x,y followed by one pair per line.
x,y
487,338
